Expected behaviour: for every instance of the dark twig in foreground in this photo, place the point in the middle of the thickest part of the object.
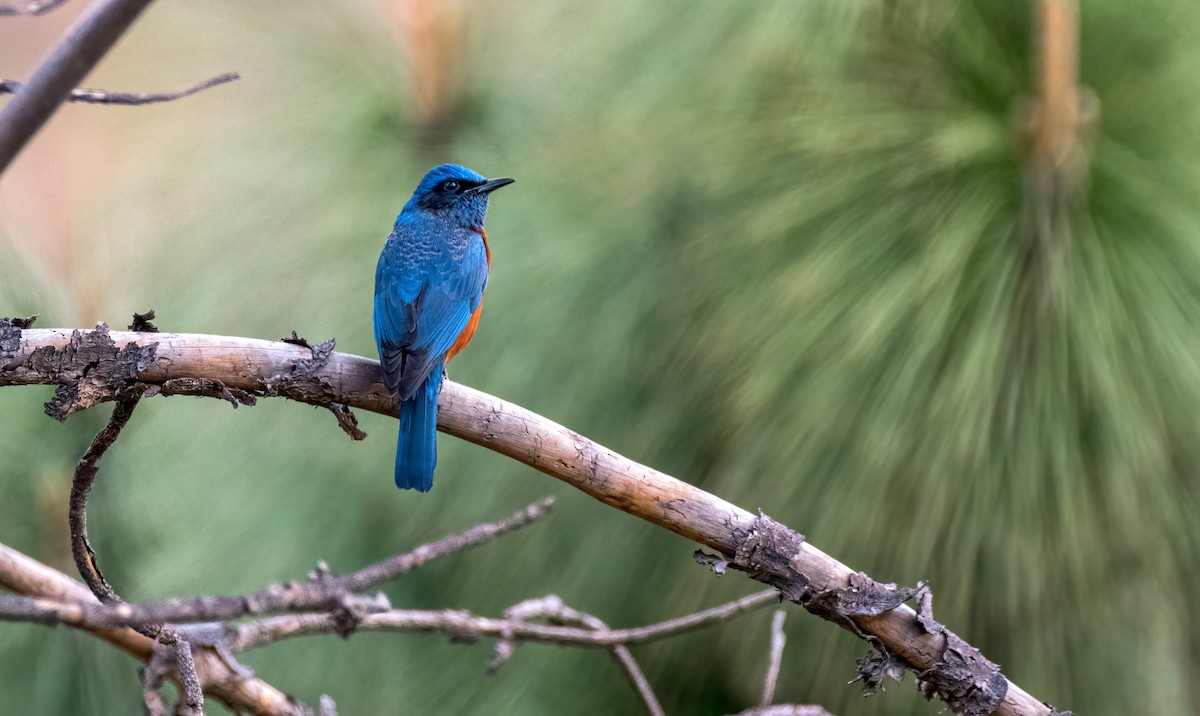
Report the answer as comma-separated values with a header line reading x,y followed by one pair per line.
x,y
31,8
192,701
89,39
94,96
81,486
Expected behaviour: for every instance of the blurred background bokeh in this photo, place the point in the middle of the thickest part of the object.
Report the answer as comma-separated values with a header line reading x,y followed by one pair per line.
x,y
797,253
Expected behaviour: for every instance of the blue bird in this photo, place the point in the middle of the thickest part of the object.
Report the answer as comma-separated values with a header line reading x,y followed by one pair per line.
x,y
428,295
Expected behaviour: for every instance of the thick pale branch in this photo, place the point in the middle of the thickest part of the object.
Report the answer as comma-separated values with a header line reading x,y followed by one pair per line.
x,y
806,574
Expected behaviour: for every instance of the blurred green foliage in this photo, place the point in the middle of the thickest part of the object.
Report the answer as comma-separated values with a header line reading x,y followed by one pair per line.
x,y
774,249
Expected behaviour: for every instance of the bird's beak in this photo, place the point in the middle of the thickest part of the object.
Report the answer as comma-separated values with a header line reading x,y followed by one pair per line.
x,y
492,185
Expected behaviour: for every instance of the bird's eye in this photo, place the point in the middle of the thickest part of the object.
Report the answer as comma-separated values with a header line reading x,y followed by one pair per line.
x,y
451,185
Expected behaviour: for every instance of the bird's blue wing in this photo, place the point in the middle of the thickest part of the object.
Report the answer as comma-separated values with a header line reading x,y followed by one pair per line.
x,y
397,299
421,307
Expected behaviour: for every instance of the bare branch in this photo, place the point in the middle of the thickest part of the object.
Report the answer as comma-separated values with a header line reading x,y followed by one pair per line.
x,y
517,624
88,40
464,625
778,641
322,592
552,609
393,567
636,677
31,8
239,691
94,96
259,633
751,543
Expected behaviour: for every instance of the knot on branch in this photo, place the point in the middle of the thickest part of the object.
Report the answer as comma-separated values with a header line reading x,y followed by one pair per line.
x,y
352,609
89,370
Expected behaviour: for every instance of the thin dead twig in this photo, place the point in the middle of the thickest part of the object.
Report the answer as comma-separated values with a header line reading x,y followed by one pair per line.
x,y
81,486
459,624
192,698
321,592
778,641
31,8
552,609
129,99
89,39
259,633
393,567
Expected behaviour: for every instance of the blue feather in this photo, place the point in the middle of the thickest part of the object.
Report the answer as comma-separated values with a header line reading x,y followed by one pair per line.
x,y
416,445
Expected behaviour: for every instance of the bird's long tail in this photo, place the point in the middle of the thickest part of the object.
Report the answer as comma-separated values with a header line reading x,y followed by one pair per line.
x,y
416,446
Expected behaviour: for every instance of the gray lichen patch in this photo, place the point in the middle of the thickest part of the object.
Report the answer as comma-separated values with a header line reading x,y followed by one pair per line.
x,y
90,369
768,553
10,339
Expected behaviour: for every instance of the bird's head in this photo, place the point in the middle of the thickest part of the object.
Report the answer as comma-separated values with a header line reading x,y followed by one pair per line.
x,y
455,193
